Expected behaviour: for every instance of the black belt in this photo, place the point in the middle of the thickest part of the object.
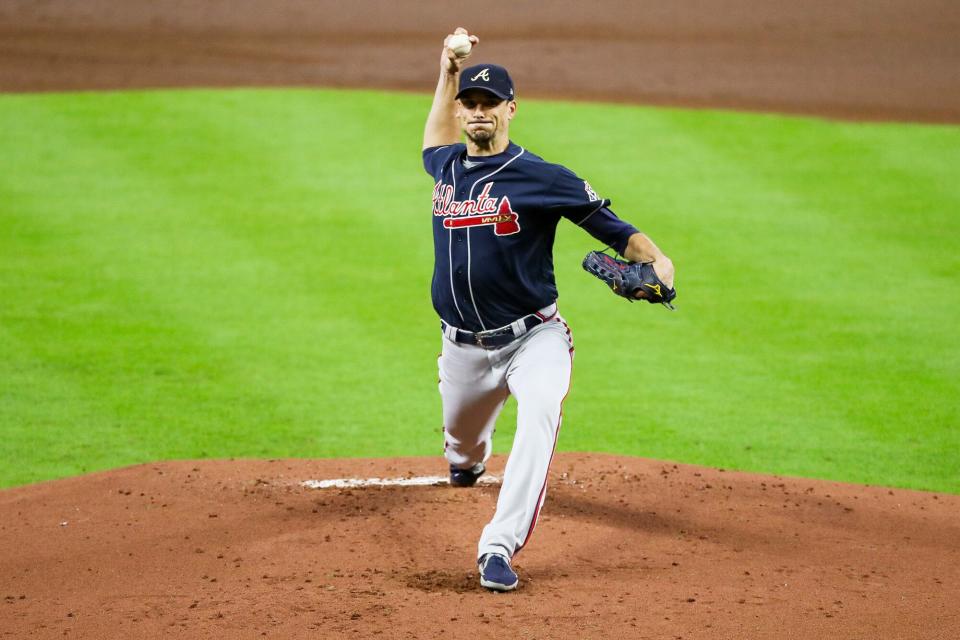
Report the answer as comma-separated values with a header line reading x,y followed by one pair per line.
x,y
496,338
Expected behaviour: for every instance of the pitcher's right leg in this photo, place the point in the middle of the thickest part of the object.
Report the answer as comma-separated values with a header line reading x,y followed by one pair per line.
x,y
472,396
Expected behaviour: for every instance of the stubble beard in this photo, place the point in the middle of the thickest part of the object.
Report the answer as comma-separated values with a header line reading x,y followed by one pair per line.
x,y
482,138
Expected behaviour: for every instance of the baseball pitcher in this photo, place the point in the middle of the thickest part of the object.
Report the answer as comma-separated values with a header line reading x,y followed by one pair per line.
x,y
496,207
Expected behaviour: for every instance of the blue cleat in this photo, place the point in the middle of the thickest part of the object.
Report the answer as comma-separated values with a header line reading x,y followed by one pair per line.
x,y
496,574
466,477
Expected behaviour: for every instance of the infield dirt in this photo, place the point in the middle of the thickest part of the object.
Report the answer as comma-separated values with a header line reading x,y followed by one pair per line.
x,y
625,547
858,58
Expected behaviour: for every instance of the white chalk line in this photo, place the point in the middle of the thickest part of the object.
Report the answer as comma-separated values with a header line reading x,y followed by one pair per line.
x,y
416,481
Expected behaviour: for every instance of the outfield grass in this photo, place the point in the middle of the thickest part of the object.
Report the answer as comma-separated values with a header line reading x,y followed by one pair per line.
x,y
246,273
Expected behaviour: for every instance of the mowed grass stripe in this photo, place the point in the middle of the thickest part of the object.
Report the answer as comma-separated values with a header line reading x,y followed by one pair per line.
x,y
797,341
246,273
140,362
866,342
799,335
244,325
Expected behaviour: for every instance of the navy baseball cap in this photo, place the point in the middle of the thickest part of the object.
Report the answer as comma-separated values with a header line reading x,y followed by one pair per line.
x,y
489,77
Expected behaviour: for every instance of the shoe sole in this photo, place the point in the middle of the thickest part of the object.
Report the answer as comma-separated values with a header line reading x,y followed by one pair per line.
x,y
496,586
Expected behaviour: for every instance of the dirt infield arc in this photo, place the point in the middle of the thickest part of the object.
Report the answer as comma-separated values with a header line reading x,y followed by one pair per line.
x,y
857,58
626,548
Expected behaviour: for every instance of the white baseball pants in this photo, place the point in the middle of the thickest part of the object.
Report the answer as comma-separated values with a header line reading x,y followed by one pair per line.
x,y
474,384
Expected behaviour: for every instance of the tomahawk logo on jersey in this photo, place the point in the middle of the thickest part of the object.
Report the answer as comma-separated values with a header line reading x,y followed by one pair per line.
x,y
482,211
494,222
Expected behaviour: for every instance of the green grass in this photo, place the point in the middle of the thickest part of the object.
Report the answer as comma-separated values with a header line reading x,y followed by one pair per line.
x,y
246,273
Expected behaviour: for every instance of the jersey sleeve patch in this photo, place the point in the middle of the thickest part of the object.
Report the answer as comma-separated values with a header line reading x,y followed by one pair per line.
x,y
573,197
590,192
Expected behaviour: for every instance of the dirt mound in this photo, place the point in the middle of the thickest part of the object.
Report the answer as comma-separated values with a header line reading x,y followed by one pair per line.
x,y
625,548
859,58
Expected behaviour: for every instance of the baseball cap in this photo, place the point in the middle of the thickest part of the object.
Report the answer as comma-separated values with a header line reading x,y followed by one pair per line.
x,y
490,77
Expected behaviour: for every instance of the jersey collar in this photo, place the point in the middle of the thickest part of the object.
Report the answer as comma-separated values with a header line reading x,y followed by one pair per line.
x,y
473,162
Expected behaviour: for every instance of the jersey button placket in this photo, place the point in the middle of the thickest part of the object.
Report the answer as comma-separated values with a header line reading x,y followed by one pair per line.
x,y
460,272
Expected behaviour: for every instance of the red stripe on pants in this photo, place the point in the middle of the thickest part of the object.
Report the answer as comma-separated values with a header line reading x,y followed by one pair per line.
x,y
556,436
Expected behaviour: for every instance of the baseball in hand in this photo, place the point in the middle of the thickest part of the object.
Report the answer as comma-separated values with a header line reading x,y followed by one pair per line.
x,y
460,44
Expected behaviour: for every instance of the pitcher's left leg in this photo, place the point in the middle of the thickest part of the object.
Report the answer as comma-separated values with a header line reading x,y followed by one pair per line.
x,y
539,378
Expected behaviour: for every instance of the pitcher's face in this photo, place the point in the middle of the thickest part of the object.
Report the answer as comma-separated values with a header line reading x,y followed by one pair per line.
x,y
484,117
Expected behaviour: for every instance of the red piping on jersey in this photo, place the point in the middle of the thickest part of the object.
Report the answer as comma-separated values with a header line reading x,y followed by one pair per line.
x,y
546,318
543,489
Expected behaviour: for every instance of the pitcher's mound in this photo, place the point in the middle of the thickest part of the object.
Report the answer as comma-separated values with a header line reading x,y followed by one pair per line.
x,y
625,547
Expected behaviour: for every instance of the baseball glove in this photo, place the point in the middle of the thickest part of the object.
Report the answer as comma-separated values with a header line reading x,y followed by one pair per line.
x,y
631,280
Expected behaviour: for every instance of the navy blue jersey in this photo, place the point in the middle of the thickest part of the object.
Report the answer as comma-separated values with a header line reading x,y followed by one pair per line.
x,y
494,221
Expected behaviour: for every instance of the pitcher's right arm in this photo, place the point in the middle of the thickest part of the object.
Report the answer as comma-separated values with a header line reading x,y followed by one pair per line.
x,y
442,127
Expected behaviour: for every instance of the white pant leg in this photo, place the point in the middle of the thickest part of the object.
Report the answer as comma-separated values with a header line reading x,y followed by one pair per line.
x,y
473,395
538,375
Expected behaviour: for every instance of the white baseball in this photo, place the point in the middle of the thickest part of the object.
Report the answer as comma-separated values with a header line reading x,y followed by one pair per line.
x,y
460,44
